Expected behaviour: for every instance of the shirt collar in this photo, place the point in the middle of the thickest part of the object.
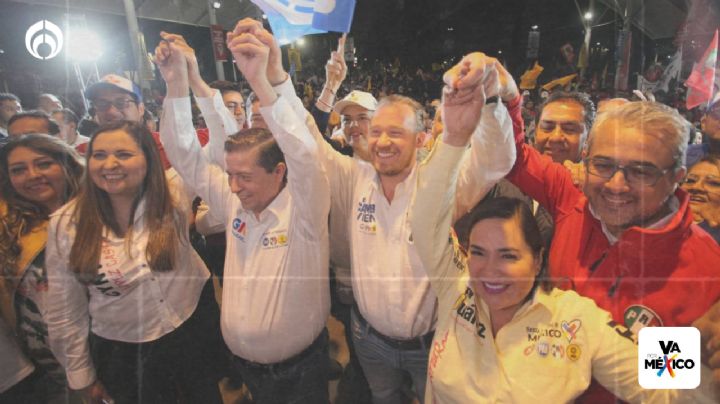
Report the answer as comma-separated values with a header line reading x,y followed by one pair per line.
x,y
401,188
138,221
275,208
673,204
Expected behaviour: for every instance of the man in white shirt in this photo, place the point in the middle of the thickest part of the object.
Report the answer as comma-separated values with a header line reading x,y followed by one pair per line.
x,y
395,315
276,293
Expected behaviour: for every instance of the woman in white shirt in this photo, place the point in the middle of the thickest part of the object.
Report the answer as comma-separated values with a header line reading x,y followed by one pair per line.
x,y
134,317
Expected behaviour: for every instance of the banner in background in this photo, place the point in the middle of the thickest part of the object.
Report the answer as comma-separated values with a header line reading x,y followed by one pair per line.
x,y
217,35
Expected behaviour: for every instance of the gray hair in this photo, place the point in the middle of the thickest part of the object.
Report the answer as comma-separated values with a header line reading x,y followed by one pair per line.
x,y
653,119
415,106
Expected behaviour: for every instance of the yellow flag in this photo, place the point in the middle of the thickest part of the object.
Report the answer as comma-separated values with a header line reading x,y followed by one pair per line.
x,y
562,81
528,80
295,59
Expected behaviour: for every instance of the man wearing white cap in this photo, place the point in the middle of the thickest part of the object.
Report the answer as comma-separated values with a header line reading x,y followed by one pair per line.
x,y
116,98
356,111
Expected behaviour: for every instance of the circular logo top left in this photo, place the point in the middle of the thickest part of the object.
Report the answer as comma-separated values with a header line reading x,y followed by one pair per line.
x,y
44,40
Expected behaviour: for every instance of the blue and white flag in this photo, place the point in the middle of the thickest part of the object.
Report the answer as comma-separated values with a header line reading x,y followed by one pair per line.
x,y
291,19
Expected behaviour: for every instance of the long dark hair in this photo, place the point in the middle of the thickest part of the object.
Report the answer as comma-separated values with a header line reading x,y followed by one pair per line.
x,y
509,208
23,215
94,212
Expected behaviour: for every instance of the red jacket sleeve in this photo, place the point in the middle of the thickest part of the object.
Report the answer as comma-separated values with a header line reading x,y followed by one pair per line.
x,y
538,176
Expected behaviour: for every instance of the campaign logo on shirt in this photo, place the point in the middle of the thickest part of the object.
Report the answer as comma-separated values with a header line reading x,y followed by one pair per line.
x,y
638,316
275,239
571,328
543,349
239,229
669,358
366,217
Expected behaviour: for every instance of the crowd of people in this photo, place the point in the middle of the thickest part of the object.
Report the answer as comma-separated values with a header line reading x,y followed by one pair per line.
x,y
469,260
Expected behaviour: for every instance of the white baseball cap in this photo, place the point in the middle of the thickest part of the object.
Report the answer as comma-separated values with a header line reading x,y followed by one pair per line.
x,y
359,98
115,82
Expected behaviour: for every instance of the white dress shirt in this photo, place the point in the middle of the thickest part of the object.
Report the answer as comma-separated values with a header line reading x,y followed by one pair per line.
x,y
390,285
276,296
127,301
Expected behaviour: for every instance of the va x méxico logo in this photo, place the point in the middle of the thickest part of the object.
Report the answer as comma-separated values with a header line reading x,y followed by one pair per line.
x,y
669,357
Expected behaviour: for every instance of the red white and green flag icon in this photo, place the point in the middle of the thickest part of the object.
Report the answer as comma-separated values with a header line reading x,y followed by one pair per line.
x,y
701,83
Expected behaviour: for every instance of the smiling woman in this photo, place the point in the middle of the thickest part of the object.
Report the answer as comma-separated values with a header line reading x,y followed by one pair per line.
x,y
703,185
38,174
120,245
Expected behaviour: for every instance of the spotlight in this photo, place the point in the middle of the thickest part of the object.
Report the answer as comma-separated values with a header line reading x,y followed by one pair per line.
x,y
534,27
588,16
217,4
83,45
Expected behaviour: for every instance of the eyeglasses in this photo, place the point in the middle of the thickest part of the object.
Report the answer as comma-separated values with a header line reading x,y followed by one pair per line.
x,y
645,175
361,120
710,182
120,104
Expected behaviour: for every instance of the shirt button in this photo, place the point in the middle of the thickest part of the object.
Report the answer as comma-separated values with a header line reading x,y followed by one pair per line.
x,y
162,301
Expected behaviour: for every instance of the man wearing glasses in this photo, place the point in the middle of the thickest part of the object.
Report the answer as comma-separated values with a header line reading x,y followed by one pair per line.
x,y
627,240
116,98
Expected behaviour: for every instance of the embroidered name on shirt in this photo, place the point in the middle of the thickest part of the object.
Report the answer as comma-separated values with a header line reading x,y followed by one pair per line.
x,y
239,229
467,310
366,217
535,333
436,354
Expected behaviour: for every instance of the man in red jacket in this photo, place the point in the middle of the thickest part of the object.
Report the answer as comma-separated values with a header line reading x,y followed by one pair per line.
x,y
627,240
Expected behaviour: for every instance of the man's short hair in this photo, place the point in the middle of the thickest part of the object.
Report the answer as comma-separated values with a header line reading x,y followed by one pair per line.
x,y
53,128
269,153
572,96
225,86
68,115
9,97
415,106
651,119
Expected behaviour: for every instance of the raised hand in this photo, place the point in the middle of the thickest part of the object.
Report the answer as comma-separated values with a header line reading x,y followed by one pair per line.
x,y
172,64
461,110
275,72
186,51
469,72
251,56
335,68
